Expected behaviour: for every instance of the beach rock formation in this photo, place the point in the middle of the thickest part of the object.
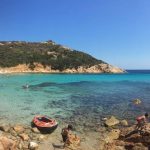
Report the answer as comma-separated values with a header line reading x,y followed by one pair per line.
x,y
7,144
111,121
112,135
126,139
124,122
100,68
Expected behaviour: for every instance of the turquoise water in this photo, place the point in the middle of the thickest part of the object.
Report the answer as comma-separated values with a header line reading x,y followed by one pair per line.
x,y
81,99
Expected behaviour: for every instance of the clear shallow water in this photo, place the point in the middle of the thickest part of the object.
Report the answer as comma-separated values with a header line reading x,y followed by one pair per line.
x,y
82,99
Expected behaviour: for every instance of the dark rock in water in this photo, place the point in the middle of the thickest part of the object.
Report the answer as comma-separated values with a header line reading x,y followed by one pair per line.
x,y
45,84
26,108
58,116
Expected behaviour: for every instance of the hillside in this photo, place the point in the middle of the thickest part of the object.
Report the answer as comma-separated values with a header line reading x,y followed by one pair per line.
x,y
16,56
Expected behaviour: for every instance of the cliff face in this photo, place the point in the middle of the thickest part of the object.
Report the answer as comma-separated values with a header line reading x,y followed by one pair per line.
x,y
39,68
100,68
49,57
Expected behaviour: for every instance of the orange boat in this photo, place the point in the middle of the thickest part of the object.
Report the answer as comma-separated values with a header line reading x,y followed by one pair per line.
x,y
44,123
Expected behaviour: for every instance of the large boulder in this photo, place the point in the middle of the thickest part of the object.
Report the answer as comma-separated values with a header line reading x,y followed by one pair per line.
x,y
7,143
112,135
1,146
111,121
107,140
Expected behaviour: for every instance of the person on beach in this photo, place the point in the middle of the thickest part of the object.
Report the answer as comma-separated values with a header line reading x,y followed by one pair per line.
x,y
141,122
65,134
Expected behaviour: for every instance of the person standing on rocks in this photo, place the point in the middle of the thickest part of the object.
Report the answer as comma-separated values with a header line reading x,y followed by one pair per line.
x,y
65,134
141,122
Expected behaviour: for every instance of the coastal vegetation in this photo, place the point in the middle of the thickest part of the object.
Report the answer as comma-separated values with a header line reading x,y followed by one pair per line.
x,y
46,53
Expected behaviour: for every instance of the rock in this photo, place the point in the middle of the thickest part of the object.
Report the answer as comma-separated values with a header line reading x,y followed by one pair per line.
x,y
1,146
20,146
1,133
102,144
113,135
112,146
25,147
19,128
8,144
137,101
112,121
139,146
4,127
41,137
24,136
35,130
119,148
104,119
12,132
124,122
33,145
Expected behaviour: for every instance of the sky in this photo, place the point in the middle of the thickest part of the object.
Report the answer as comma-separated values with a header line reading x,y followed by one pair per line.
x,y
116,31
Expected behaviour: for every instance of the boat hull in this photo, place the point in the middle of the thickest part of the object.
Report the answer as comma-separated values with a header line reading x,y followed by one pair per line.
x,y
44,128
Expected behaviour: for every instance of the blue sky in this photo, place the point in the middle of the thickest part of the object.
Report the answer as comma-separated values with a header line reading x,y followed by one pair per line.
x,y
116,31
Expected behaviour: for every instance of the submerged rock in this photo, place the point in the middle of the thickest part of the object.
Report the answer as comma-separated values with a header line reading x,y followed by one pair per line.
x,y
124,122
137,101
111,121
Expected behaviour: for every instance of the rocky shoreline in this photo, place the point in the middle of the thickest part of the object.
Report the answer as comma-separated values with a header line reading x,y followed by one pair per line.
x,y
22,137
113,134
39,68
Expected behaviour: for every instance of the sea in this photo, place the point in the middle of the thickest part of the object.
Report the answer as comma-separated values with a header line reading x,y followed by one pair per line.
x,y
80,99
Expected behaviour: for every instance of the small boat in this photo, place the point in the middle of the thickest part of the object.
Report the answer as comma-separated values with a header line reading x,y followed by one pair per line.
x,y
44,123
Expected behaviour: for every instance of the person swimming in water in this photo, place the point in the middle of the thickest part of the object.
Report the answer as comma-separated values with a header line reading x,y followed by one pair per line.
x,y
25,86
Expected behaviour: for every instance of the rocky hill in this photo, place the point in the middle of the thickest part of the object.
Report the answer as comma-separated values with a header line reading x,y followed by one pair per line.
x,y
19,56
